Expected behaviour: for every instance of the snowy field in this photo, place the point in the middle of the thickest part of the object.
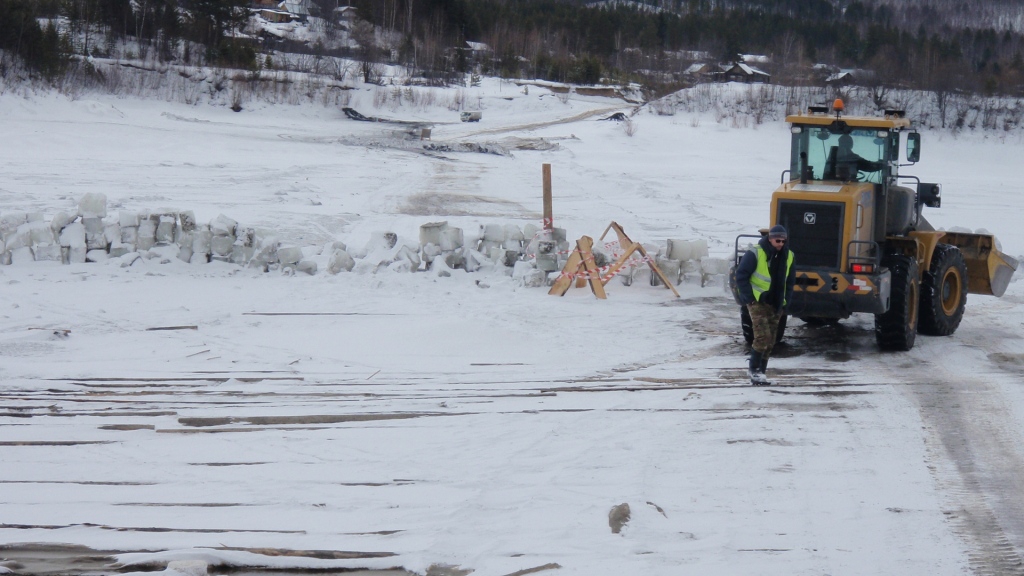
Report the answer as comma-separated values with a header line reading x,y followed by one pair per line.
x,y
168,416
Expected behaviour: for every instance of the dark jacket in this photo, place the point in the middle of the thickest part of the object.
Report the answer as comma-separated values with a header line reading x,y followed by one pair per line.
x,y
776,269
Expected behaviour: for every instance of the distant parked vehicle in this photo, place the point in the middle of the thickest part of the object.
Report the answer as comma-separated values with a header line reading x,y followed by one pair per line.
x,y
472,116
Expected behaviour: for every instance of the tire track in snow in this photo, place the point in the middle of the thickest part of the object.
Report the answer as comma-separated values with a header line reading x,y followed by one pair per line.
x,y
974,454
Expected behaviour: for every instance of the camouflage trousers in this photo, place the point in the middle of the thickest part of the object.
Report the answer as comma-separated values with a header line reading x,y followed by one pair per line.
x,y
765,321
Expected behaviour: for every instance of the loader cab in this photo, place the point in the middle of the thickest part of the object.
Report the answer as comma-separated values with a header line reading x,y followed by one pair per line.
x,y
840,152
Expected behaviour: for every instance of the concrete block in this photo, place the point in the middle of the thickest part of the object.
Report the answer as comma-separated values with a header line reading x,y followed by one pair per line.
x,y
223,226
678,249
165,228
187,221
128,219
73,235
146,234
242,254
46,252
10,222
289,255
112,232
307,266
493,233
221,245
60,220
670,268
715,266
96,256
699,249
411,255
430,233
20,238
76,254
485,246
41,233
451,239
129,234
455,260
504,257
94,236
119,249
340,260
93,205
430,251
202,241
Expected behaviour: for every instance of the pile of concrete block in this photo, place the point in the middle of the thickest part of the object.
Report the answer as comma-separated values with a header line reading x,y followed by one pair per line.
x,y
688,261
531,256
445,248
89,235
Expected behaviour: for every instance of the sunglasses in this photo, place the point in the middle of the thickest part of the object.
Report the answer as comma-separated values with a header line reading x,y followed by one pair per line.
x,y
778,240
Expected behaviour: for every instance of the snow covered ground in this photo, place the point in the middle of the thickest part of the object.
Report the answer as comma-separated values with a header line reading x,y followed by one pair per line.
x,y
173,412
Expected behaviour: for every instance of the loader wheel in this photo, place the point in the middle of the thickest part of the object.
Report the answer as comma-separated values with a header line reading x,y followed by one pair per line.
x,y
748,326
897,329
943,292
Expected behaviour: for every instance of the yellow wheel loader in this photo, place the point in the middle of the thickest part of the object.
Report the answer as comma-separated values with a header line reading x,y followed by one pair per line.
x,y
860,239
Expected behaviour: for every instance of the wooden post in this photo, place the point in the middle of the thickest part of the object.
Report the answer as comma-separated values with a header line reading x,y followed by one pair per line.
x,y
549,222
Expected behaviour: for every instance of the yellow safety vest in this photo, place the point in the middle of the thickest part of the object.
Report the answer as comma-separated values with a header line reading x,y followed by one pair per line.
x,y
761,280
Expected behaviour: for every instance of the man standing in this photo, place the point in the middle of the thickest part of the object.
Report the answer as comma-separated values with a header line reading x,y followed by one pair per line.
x,y
765,279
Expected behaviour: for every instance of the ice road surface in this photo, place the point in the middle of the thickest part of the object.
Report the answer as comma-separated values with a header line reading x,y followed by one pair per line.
x,y
423,424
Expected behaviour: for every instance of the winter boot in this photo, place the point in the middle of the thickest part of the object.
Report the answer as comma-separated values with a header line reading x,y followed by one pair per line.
x,y
764,371
754,371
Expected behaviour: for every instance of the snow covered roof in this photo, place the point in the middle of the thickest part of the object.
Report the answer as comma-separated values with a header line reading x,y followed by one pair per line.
x,y
297,7
841,75
748,69
478,46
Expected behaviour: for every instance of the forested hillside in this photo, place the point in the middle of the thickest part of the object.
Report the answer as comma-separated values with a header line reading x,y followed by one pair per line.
x,y
932,45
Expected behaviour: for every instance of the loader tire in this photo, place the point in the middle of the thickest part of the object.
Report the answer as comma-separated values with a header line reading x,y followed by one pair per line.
x,y
748,326
943,292
896,329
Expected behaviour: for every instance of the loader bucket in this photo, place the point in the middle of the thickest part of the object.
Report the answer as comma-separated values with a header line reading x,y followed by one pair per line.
x,y
988,270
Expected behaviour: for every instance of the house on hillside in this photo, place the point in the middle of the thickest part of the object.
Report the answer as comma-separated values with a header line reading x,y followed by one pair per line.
x,y
478,51
742,72
474,54
706,72
275,16
345,16
696,70
849,77
299,9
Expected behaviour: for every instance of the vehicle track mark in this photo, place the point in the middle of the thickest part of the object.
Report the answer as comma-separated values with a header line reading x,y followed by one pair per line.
x,y
973,449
